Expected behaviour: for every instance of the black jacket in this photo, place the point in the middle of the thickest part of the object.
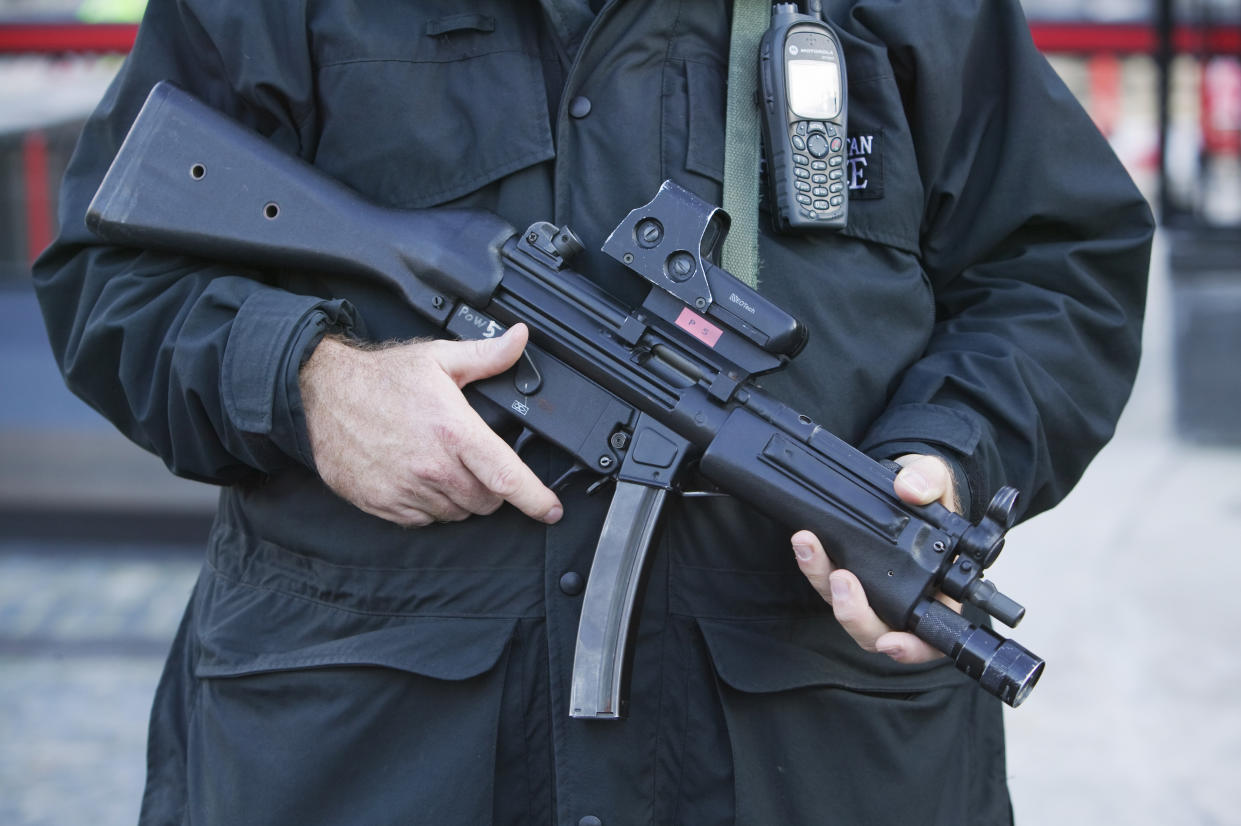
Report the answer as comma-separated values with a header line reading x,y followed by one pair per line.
x,y
985,303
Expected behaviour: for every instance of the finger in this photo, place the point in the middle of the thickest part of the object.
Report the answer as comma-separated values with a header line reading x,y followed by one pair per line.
x,y
440,507
813,561
864,626
406,517
414,518
411,507
467,361
853,611
470,498
451,491
925,479
906,648
501,471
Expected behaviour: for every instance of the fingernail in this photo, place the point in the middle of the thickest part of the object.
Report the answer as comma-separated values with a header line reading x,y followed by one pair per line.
x,y
840,588
553,515
915,481
893,651
803,552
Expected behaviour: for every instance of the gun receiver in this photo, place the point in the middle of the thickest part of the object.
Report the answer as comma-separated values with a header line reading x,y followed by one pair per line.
x,y
637,394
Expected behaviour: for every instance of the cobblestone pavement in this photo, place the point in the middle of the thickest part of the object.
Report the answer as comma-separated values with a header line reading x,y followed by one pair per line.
x,y
83,633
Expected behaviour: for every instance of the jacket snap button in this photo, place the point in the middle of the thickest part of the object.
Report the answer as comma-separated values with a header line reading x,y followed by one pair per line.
x,y
572,584
590,820
579,107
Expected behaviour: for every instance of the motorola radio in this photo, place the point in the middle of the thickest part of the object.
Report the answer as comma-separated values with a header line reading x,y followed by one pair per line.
x,y
804,112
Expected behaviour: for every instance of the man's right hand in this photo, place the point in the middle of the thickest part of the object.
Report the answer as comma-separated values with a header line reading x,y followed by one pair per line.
x,y
392,433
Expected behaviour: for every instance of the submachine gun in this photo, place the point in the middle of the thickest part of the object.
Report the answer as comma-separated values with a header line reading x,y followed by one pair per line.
x,y
637,394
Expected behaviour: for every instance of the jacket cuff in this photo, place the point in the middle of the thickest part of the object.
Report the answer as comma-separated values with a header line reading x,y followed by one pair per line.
x,y
272,336
962,439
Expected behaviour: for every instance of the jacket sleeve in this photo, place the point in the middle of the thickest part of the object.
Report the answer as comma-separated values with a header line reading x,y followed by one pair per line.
x,y
1037,246
195,363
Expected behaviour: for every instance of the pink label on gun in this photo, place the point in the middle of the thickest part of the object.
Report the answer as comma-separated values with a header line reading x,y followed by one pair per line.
x,y
699,327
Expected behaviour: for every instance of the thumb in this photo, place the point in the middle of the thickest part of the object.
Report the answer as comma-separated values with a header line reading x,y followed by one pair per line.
x,y
925,479
467,361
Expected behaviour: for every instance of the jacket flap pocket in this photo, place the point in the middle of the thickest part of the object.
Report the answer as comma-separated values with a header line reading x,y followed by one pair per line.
x,y
460,22
707,92
444,648
812,652
406,123
246,630
303,695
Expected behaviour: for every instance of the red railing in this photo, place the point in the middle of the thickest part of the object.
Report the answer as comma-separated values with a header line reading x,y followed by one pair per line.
x,y
1125,38
58,38
1133,38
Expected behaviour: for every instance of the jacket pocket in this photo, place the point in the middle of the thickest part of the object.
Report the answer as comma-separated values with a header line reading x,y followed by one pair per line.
x,y
694,104
308,714
850,734
405,119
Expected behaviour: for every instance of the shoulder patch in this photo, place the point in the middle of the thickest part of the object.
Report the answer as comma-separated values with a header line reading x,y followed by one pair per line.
x,y
864,169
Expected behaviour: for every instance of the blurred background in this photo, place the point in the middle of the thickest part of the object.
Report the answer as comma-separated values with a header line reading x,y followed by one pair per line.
x,y
1132,583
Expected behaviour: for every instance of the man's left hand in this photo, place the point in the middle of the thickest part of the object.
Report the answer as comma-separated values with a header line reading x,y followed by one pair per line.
x,y
922,480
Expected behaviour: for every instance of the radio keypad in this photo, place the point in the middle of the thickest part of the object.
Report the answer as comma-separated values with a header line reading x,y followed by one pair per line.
x,y
819,147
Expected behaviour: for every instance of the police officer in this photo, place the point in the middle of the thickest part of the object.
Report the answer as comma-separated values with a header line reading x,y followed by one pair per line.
x,y
383,628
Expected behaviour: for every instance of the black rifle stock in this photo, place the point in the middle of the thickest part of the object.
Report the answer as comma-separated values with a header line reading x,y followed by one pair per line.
x,y
637,394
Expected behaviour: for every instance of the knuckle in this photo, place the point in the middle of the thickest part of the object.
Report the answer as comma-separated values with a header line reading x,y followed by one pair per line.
x,y
504,479
435,475
488,505
447,435
480,348
452,512
377,499
416,519
847,614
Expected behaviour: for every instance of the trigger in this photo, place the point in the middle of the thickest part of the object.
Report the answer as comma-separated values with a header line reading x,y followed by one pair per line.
x,y
523,440
594,486
568,476
572,473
